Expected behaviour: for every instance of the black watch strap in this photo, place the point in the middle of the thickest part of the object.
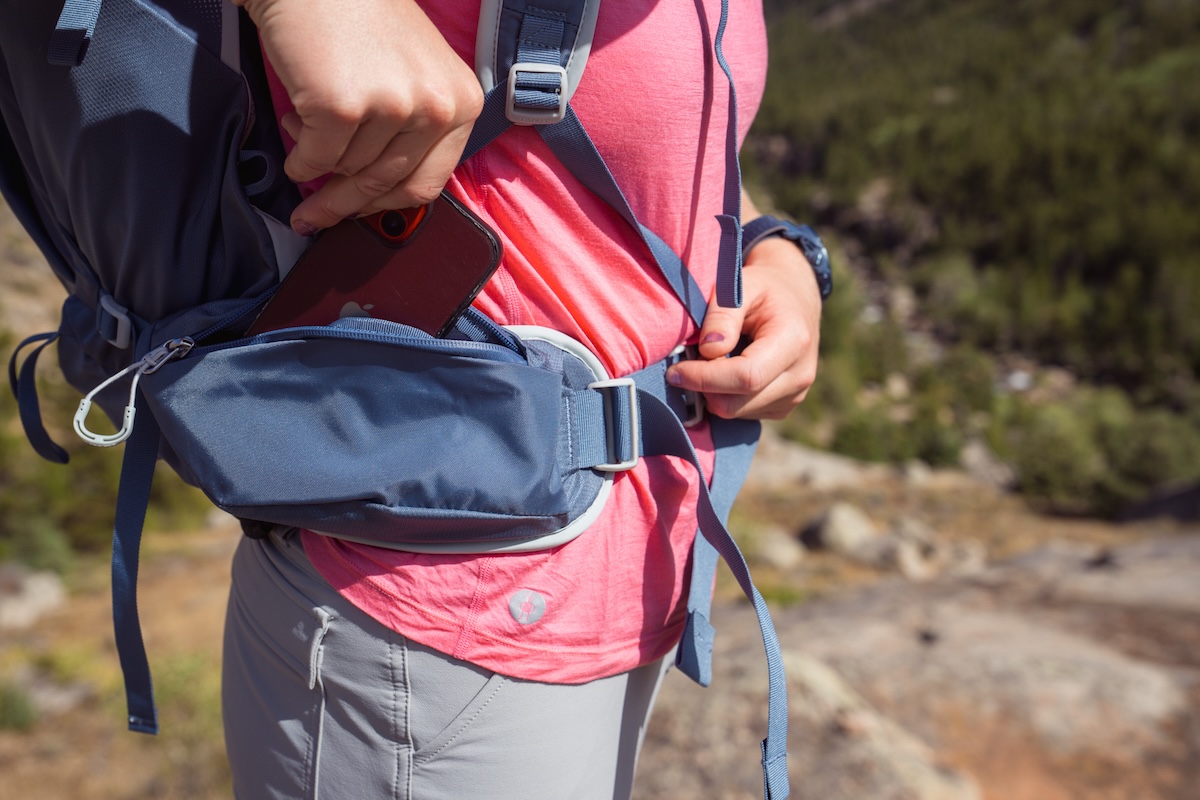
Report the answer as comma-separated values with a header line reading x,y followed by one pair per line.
x,y
802,236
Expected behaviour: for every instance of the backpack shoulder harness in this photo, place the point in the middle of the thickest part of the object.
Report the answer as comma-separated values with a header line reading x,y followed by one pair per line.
x,y
107,148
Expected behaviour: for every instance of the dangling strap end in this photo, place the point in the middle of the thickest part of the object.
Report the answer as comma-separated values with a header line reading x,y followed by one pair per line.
x,y
68,47
775,775
73,33
142,725
24,388
133,496
729,262
694,656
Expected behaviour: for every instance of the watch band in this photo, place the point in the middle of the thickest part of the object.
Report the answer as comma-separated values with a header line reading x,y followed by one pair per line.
x,y
802,236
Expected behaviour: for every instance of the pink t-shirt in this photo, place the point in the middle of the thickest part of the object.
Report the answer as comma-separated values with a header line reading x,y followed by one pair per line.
x,y
654,101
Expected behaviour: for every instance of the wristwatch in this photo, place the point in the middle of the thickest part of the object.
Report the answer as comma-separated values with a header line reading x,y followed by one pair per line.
x,y
802,236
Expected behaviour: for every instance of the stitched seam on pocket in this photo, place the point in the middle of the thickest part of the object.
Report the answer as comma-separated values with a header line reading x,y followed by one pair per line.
x,y
424,759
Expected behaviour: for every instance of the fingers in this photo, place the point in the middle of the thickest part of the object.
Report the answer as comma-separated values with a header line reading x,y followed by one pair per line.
x,y
765,381
781,318
721,330
383,184
398,160
383,104
320,144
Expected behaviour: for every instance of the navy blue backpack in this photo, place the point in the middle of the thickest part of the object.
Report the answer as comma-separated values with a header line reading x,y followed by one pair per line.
x,y
131,151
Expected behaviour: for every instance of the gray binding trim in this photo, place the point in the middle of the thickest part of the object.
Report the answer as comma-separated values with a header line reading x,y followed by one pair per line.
x,y
488,34
288,244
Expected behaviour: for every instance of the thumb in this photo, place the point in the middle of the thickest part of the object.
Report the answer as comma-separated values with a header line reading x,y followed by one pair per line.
x,y
721,330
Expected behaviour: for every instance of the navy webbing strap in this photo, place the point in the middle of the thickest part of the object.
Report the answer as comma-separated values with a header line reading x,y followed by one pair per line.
x,y
729,261
133,496
663,434
539,41
73,32
574,148
24,389
735,441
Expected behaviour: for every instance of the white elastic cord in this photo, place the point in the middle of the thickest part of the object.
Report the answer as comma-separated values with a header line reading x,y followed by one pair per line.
x,y
85,405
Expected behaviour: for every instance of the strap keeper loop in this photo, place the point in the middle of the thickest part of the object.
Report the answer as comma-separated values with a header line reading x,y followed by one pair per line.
x,y
616,423
113,322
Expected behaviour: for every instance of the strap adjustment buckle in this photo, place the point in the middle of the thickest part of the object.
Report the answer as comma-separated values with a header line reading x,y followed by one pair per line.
x,y
548,80
621,417
693,401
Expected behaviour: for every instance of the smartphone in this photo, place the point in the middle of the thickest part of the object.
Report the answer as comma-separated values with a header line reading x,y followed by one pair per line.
x,y
419,266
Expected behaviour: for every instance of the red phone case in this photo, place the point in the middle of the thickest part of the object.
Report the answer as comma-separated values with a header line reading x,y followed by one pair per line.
x,y
421,267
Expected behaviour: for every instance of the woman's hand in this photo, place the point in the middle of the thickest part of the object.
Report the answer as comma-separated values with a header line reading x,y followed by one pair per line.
x,y
781,315
381,101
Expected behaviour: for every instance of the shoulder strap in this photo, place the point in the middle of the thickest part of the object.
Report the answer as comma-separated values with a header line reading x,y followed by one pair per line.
x,y
530,59
561,38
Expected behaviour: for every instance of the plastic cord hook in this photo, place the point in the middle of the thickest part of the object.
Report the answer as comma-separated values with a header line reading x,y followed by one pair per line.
x,y
85,406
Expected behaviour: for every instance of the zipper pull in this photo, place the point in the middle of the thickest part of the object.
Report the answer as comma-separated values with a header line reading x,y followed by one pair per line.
x,y
151,362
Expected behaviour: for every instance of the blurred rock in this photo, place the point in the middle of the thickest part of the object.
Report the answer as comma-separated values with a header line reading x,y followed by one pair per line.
x,y
916,472
703,744
982,464
780,463
911,529
778,548
26,595
961,558
846,530
1068,672
49,697
920,554
1073,669
913,561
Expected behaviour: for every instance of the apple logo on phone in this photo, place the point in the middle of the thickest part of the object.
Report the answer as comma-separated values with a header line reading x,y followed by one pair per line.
x,y
353,309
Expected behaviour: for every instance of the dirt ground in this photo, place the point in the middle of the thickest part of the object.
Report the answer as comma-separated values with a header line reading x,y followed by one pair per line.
x,y
83,751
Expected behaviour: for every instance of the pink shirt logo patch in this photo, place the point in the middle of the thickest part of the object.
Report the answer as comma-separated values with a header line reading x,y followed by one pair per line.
x,y
527,606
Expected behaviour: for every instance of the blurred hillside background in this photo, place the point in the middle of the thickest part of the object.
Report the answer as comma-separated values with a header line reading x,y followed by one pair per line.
x,y
1012,189
1009,192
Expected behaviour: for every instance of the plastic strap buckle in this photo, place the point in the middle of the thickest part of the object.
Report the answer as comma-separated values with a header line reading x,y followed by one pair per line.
x,y
616,423
527,115
693,401
113,322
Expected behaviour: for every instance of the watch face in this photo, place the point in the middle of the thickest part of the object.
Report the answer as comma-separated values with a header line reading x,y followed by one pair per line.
x,y
817,254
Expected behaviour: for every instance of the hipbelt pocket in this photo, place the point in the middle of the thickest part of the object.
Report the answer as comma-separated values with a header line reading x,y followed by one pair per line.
x,y
376,431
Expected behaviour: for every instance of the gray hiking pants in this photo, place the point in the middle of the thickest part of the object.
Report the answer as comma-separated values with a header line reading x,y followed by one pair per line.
x,y
324,703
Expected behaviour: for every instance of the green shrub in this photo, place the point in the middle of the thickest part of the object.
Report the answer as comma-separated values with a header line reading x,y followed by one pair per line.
x,y
1041,178
38,544
1058,459
933,437
880,350
872,436
1097,453
16,708
1155,449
